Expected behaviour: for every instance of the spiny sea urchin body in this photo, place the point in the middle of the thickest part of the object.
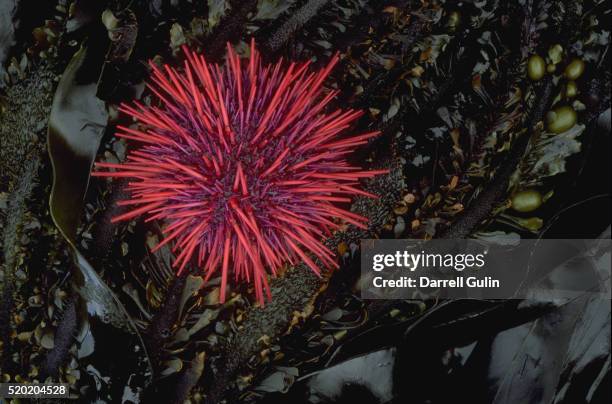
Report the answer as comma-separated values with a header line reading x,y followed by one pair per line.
x,y
243,166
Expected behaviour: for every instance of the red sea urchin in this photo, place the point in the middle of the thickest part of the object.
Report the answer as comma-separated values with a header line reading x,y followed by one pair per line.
x,y
242,165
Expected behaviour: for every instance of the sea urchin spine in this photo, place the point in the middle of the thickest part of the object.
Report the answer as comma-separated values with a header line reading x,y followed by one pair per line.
x,y
243,166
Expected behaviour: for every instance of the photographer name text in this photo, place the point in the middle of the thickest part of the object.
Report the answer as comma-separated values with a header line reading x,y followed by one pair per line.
x,y
441,268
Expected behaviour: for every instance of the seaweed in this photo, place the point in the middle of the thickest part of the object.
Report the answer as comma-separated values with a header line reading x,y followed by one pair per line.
x,y
464,130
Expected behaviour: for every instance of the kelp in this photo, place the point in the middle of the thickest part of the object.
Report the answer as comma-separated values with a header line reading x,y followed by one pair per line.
x,y
76,125
464,129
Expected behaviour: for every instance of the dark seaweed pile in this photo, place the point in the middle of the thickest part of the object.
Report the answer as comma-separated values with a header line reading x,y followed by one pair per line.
x,y
466,132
